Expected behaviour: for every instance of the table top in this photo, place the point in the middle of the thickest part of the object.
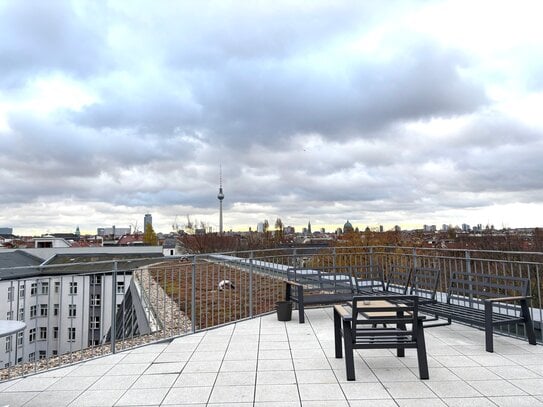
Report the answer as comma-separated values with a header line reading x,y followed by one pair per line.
x,y
8,327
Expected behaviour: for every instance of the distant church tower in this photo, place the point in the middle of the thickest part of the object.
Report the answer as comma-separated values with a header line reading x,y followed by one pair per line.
x,y
309,227
220,197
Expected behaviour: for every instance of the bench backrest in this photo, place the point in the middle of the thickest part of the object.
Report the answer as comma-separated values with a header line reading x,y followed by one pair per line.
x,y
369,278
424,282
323,279
477,286
398,278
368,313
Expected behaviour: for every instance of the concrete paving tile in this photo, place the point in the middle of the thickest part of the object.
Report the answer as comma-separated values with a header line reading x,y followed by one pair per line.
x,y
178,395
142,397
17,399
276,392
97,398
394,374
420,403
533,387
164,368
364,391
32,383
409,390
55,398
114,383
195,379
315,376
320,392
468,402
152,381
69,383
516,401
276,377
232,394
238,366
236,378
470,373
452,389
270,364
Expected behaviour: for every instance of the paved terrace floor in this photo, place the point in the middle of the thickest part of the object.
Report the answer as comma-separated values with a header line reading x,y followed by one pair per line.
x,y
264,362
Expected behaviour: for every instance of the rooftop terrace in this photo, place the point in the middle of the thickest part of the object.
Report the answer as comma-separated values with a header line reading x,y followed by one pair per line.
x,y
264,362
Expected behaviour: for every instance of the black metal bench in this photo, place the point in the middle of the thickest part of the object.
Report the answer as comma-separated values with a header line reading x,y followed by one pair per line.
x,y
359,328
312,286
420,281
484,300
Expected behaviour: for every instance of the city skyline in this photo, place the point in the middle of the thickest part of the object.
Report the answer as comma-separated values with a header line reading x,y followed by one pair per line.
x,y
399,113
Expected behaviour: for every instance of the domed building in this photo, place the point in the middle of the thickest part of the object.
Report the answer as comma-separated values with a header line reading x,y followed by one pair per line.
x,y
348,228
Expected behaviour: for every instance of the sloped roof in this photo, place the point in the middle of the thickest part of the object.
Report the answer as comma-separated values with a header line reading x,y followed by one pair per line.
x,y
17,264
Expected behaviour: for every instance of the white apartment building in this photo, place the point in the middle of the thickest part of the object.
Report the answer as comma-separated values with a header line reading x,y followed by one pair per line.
x,y
64,310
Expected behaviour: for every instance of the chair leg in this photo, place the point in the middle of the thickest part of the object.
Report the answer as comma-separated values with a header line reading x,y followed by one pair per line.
x,y
349,359
337,335
528,324
489,328
421,353
301,316
400,352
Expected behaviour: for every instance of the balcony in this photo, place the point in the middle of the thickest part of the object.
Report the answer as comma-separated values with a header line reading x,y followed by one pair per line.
x,y
264,362
207,346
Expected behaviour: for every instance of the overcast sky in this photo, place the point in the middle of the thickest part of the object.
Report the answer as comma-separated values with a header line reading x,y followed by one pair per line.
x,y
396,112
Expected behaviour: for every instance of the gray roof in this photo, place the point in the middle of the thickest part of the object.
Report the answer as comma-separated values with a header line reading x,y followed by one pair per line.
x,y
17,264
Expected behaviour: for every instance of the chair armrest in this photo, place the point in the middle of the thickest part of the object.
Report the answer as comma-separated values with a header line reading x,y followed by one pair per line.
x,y
500,299
294,283
343,313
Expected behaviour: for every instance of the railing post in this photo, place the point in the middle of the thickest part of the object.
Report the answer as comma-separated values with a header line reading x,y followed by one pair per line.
x,y
251,285
371,260
468,271
193,295
113,328
334,254
414,258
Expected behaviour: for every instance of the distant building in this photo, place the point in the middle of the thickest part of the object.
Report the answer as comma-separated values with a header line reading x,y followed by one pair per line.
x,y
113,231
347,227
147,220
429,228
381,228
289,230
50,242
260,227
6,231
444,227
309,227
465,227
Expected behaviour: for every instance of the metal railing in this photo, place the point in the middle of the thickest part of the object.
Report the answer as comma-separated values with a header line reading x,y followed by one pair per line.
x,y
82,310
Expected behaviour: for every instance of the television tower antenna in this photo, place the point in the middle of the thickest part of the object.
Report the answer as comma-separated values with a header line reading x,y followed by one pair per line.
x,y
220,197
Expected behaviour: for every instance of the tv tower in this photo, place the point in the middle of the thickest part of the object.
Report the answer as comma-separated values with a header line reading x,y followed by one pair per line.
x,y
220,197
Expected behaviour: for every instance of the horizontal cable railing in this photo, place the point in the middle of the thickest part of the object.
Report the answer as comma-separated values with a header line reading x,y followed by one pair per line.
x,y
79,310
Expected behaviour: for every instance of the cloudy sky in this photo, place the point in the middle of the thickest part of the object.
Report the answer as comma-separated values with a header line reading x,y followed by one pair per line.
x,y
396,112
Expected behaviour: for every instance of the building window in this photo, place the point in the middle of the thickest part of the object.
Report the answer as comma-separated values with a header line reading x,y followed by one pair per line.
x,y
95,322
10,294
96,279
9,315
21,314
43,333
32,335
72,311
43,310
120,287
33,288
45,287
43,354
95,300
8,343
57,287
73,288
55,309
32,357
71,334
21,290
54,352
55,332
32,311
20,338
